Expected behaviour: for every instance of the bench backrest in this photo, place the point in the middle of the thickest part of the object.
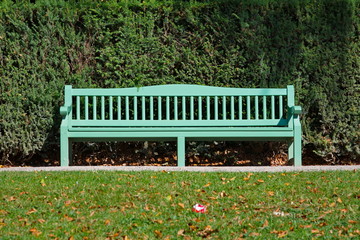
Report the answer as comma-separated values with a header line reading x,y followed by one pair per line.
x,y
179,106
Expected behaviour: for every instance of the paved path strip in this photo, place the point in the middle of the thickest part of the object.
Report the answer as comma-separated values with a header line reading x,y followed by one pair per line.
x,y
187,169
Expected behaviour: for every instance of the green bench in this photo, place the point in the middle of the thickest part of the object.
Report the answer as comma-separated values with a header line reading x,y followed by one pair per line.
x,y
180,113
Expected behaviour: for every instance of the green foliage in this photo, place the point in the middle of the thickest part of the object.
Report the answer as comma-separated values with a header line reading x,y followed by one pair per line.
x,y
264,43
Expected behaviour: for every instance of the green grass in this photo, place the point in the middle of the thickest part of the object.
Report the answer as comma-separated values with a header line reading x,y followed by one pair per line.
x,y
157,205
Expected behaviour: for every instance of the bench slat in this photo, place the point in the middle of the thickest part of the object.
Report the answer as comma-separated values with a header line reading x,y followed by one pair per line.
x,y
177,123
179,90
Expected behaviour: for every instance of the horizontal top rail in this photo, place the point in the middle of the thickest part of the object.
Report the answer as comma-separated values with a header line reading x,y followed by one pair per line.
x,y
179,90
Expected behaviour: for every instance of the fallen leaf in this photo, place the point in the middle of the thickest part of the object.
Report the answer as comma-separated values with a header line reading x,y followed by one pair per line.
x,y
107,222
270,193
158,221
41,220
70,219
260,180
158,233
206,185
266,223
35,232
181,232
339,200
33,210
181,205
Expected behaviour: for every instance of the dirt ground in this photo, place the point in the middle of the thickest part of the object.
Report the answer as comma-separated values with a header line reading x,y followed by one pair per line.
x,y
164,154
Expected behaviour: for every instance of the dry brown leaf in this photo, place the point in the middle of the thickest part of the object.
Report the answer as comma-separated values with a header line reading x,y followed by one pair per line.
x,y
181,232
158,233
35,232
41,220
33,210
181,205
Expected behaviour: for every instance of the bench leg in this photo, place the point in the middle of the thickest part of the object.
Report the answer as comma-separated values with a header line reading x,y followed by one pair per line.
x,y
65,151
294,152
181,151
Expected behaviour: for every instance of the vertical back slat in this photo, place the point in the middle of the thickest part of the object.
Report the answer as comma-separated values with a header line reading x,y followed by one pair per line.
x,y
86,108
102,107
216,108
111,107
208,107
191,108
248,105
264,108
119,107
151,108
200,107
232,108
143,108
94,108
183,108
167,108
176,108
281,106
78,107
224,107
127,114
256,107
135,108
159,108
272,107
240,108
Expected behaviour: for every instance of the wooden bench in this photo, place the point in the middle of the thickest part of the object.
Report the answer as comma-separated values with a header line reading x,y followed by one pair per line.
x,y
180,113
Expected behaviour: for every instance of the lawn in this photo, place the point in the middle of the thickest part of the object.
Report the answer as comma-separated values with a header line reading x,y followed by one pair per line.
x,y
158,205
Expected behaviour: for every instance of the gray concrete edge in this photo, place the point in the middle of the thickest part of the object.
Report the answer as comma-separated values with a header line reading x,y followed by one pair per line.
x,y
186,169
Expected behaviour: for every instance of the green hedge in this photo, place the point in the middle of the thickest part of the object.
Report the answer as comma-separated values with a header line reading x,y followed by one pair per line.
x,y
311,44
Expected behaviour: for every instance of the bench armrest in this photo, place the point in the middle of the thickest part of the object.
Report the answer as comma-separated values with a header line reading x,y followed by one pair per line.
x,y
65,110
295,110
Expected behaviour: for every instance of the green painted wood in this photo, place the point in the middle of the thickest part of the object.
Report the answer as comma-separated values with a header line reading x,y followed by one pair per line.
x,y
78,107
192,134
232,108
192,108
94,108
102,108
248,110
240,108
111,108
183,107
224,107
200,108
127,108
264,108
180,123
256,107
176,114
179,90
143,108
119,107
167,108
159,108
86,108
151,108
272,107
135,108
202,122
181,151
216,103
